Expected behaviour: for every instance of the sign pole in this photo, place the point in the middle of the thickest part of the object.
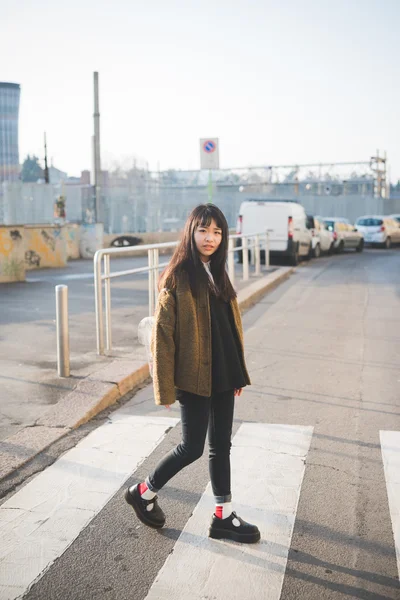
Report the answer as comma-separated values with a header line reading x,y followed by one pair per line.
x,y
210,186
209,160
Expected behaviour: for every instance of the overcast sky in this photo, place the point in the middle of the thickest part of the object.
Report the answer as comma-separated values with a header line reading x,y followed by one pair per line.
x,y
278,82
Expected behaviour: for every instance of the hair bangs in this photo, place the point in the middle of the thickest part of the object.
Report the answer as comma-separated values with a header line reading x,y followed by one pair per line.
x,y
206,215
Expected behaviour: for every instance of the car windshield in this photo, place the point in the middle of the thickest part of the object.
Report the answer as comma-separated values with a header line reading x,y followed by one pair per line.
x,y
369,222
330,225
397,219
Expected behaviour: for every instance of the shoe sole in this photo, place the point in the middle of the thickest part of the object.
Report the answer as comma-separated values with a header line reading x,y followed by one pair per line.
x,y
130,499
244,538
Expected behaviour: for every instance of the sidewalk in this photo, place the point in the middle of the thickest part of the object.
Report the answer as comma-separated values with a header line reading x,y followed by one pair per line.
x,y
102,381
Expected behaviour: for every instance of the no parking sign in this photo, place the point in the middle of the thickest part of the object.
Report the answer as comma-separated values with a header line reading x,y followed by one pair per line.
x,y
209,153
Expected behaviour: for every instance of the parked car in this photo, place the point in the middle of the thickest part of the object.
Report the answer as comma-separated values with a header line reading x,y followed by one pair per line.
x,y
379,230
345,235
395,217
321,238
285,221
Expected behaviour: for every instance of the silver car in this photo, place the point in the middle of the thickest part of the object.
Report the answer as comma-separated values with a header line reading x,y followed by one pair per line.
x,y
379,230
396,218
345,235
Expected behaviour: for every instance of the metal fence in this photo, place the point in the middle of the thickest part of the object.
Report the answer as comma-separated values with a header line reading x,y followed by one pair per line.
x,y
141,201
251,248
166,207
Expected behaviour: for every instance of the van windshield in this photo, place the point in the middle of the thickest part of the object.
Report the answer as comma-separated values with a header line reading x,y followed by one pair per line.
x,y
369,222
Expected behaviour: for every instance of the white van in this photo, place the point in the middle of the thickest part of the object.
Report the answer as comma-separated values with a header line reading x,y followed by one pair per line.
x,y
286,223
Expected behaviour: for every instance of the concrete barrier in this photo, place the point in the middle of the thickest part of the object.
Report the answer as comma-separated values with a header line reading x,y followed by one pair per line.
x,y
12,253
91,239
45,246
73,236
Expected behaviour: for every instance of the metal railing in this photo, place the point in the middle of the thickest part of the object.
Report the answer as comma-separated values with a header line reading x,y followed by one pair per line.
x,y
254,247
250,243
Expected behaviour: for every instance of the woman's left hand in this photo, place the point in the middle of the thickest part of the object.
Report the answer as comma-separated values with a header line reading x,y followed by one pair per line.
x,y
238,392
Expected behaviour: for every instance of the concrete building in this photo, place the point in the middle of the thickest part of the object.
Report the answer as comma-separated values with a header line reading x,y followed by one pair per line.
x,y
9,115
85,177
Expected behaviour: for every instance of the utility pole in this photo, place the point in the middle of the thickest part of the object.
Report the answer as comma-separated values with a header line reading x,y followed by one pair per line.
x,y
46,168
380,182
96,146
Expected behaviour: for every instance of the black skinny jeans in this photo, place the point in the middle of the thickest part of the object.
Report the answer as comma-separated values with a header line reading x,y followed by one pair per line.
x,y
199,413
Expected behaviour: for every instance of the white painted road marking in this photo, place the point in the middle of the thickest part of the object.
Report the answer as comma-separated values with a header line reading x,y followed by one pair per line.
x,y
43,519
390,447
268,464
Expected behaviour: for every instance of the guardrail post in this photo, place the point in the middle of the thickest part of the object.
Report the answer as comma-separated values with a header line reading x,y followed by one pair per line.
x,y
151,282
98,296
257,253
245,259
231,260
266,250
252,251
107,290
62,330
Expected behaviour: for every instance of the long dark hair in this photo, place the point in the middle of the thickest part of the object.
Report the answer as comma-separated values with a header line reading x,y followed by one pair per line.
x,y
186,256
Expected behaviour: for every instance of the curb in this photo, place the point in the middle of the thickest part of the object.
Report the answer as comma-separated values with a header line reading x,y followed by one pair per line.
x,y
99,391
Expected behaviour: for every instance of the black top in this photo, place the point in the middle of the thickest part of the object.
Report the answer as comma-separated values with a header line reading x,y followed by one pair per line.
x,y
227,369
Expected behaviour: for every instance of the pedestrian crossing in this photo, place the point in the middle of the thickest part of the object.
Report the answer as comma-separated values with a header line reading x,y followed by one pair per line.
x,y
268,463
41,521
390,447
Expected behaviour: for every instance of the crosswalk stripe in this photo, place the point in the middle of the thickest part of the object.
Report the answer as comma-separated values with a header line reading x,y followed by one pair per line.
x,y
43,519
390,447
268,463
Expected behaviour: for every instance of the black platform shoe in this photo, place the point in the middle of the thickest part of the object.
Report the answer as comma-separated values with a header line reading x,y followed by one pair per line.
x,y
234,528
153,517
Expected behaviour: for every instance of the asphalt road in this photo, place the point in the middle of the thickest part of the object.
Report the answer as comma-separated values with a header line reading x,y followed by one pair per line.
x,y
323,351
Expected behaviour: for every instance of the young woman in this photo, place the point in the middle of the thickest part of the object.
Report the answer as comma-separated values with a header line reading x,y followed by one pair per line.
x,y
197,346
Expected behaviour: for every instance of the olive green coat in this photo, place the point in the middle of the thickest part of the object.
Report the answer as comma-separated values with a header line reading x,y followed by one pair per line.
x,y
181,342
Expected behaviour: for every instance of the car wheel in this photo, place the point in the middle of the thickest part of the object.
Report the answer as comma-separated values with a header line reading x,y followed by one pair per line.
x,y
317,251
388,243
360,246
331,248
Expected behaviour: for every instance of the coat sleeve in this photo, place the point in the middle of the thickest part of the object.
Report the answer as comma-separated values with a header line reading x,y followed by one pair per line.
x,y
238,319
163,349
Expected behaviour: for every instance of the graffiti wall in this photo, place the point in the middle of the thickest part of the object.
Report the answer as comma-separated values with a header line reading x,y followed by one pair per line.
x,y
12,265
45,246
91,239
72,234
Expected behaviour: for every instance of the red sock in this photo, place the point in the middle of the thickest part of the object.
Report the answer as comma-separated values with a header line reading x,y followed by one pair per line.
x,y
144,491
142,488
223,510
